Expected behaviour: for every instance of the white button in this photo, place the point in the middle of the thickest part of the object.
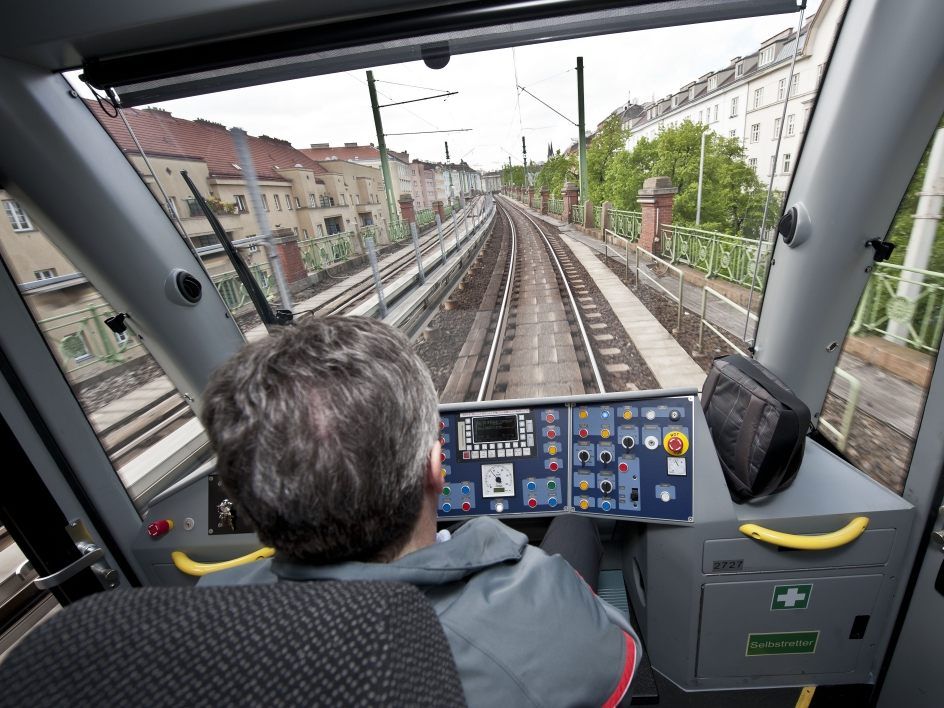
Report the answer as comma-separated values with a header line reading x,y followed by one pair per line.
x,y
530,440
526,451
529,426
475,455
665,496
652,442
651,415
517,453
499,507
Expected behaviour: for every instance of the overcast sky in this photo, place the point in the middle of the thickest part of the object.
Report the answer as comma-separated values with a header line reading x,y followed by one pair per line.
x,y
637,65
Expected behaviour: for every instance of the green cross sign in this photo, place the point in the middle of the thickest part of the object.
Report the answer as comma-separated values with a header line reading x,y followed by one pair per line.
x,y
791,597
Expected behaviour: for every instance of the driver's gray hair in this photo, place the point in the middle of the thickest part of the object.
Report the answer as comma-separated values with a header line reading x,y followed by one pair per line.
x,y
323,434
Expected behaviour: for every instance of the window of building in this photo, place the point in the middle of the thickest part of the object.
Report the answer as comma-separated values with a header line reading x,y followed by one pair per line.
x,y
44,274
675,101
791,124
241,207
716,112
755,132
277,202
739,70
18,218
795,85
819,72
193,209
691,94
766,55
305,232
700,119
786,163
781,89
265,202
344,199
734,107
773,165
173,207
776,128
288,202
712,83
298,203
312,202
806,117
758,97
732,133
752,163
253,247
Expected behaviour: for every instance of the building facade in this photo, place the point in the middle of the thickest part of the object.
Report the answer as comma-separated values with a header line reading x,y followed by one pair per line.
x,y
745,99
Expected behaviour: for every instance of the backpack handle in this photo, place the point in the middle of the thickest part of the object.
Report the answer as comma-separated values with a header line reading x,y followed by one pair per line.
x,y
816,542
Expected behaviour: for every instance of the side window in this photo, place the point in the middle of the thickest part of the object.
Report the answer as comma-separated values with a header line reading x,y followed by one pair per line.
x,y
132,406
877,395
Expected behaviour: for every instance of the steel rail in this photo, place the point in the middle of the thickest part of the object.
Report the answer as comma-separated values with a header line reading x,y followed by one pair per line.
x,y
502,310
573,303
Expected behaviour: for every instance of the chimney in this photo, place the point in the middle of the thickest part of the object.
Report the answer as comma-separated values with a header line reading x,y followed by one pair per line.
x,y
350,145
319,145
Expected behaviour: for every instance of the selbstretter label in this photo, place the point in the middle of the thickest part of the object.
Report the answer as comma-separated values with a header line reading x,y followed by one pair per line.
x,y
782,643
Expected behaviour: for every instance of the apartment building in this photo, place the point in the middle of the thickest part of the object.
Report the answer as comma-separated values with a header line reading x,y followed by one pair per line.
x,y
399,163
745,99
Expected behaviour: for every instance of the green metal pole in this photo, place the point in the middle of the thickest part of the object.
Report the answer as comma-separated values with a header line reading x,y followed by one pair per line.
x,y
394,215
581,134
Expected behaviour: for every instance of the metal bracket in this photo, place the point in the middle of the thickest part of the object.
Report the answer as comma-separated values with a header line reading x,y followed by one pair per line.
x,y
883,249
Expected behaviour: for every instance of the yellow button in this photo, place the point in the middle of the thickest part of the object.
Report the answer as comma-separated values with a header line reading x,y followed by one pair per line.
x,y
582,414
604,433
584,486
627,414
584,504
552,450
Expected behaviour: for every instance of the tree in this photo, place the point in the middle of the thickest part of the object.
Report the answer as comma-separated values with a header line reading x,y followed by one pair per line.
x,y
605,146
732,195
557,170
513,175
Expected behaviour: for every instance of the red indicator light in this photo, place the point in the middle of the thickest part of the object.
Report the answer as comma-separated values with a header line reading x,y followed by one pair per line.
x,y
532,502
551,434
549,417
442,456
583,432
623,467
552,467
466,506
157,529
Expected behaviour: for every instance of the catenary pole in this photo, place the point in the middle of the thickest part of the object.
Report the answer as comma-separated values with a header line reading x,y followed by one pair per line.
x,y
382,147
581,134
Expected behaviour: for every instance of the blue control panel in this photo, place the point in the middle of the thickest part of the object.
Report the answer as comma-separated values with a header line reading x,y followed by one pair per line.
x,y
601,456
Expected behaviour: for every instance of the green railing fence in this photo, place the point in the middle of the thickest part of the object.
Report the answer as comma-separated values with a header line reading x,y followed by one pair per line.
x,y
425,217
598,217
717,255
319,253
81,338
625,223
398,230
555,206
916,321
233,291
576,213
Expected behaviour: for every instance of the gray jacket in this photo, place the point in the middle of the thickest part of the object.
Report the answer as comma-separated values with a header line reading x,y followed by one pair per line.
x,y
524,628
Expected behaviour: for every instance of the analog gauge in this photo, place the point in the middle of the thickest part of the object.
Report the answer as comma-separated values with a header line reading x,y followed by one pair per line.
x,y
498,480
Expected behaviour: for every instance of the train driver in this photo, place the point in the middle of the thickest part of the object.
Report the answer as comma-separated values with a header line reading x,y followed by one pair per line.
x,y
326,436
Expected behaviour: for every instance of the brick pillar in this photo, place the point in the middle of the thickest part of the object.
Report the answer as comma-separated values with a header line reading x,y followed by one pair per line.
x,y
656,199
438,207
588,214
407,213
545,198
290,258
531,197
570,194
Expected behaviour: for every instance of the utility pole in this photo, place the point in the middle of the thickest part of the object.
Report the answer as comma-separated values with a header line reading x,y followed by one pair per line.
x,y
382,146
701,174
581,134
451,193
524,158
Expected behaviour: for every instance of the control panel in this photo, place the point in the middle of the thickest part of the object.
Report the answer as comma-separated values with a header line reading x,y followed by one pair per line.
x,y
601,455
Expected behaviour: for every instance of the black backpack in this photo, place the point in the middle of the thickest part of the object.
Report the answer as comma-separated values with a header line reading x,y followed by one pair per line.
x,y
758,425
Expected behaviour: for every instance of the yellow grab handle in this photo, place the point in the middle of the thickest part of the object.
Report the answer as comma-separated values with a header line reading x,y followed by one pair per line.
x,y
820,542
186,565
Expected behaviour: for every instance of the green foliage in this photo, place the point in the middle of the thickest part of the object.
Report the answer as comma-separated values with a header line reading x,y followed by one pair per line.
x,y
557,170
605,146
900,230
513,174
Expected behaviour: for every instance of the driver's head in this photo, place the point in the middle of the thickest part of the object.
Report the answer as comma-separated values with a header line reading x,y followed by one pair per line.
x,y
323,435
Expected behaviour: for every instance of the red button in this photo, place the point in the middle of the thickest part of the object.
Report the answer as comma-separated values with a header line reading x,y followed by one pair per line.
x,y
583,432
623,467
466,506
676,445
442,424
552,467
442,456
549,417
442,441
551,434
157,529
532,502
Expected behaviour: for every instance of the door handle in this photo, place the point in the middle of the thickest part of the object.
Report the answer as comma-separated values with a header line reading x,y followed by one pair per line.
x,y
91,554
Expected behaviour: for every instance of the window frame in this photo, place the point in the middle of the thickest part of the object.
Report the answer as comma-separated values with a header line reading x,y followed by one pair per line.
x,y
13,210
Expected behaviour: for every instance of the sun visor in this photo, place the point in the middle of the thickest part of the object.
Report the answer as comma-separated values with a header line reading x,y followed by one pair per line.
x,y
433,34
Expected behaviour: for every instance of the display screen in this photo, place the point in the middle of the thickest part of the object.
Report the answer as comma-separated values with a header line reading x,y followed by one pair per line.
x,y
494,429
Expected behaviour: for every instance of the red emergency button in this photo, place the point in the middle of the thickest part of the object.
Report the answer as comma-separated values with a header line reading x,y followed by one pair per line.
x,y
552,467
466,506
583,433
623,467
551,434
157,529
550,417
675,445
532,502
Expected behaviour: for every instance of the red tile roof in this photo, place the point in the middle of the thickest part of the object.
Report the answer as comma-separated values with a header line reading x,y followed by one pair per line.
x,y
163,135
360,152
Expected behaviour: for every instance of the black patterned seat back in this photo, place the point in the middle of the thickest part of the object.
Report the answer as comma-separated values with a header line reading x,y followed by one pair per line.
x,y
288,644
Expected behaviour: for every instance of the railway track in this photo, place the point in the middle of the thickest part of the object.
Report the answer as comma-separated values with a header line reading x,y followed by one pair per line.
x,y
535,342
